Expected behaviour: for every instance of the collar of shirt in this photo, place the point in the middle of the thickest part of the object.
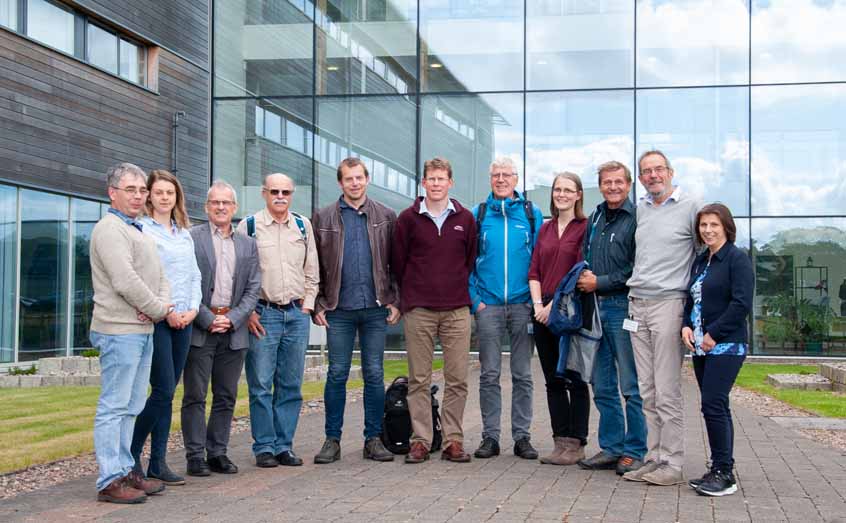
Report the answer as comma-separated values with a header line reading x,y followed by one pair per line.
x,y
215,230
149,220
425,210
126,219
345,205
676,196
267,219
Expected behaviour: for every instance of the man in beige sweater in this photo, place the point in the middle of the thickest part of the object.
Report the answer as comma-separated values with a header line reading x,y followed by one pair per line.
x,y
130,293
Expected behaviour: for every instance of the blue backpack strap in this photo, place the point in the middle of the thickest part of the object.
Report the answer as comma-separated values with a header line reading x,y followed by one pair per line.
x,y
301,226
251,226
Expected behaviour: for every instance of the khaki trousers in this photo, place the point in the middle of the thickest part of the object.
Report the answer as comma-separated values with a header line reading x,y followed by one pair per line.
x,y
452,328
659,354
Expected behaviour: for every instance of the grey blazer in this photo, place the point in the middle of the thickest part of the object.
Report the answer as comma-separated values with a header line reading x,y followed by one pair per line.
x,y
245,289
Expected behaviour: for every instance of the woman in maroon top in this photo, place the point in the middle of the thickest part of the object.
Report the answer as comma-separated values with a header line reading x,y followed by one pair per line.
x,y
558,248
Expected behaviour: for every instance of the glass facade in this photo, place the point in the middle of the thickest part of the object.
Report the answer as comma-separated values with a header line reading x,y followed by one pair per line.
x,y
742,95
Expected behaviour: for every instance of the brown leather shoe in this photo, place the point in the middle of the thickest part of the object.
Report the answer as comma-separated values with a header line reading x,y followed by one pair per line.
x,y
454,451
418,453
149,486
119,491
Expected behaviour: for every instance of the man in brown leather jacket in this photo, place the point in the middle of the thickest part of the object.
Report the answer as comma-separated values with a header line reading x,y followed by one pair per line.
x,y
357,295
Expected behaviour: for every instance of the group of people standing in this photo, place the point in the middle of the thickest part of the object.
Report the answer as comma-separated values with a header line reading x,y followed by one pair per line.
x,y
206,302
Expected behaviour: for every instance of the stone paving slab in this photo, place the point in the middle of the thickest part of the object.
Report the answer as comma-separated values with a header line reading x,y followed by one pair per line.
x,y
782,477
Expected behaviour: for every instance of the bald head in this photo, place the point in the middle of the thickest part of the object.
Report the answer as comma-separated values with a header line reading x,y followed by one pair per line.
x,y
276,177
278,192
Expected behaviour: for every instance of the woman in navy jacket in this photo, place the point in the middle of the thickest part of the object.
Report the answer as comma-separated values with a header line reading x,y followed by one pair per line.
x,y
715,331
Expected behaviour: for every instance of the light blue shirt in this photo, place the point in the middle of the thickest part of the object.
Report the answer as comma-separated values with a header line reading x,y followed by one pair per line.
x,y
439,220
176,252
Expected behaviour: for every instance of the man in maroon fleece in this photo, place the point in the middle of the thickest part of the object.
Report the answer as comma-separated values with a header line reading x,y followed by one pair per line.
x,y
433,253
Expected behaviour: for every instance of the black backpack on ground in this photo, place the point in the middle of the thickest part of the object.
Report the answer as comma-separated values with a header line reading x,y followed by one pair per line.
x,y
396,420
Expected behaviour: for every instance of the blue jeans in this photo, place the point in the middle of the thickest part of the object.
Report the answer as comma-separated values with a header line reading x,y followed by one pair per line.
x,y
170,350
371,326
275,365
124,375
618,435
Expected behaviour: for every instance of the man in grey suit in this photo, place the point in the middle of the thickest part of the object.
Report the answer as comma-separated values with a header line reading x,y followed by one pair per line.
x,y
231,283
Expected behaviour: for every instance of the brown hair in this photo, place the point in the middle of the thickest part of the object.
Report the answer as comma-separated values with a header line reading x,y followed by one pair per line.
x,y
578,208
437,163
178,214
351,162
723,214
613,166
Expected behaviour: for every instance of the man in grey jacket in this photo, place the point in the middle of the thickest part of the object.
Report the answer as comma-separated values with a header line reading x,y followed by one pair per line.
x,y
228,262
666,247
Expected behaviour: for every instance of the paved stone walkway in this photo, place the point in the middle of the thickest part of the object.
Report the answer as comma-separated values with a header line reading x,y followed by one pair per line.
x,y
782,477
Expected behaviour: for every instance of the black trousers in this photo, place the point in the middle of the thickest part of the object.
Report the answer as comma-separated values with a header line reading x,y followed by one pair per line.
x,y
715,376
569,406
215,361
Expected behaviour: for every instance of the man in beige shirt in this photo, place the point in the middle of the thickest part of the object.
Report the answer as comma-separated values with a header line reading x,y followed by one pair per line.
x,y
280,323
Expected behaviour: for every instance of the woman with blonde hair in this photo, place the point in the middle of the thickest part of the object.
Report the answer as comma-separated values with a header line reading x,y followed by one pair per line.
x,y
167,223
558,249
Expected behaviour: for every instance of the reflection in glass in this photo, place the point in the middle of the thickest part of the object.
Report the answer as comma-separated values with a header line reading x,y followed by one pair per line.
x,y
380,130
800,287
9,18
8,260
251,139
596,52
44,275
133,62
263,48
50,24
84,216
467,45
704,133
102,48
798,150
366,47
692,42
798,41
575,132
470,131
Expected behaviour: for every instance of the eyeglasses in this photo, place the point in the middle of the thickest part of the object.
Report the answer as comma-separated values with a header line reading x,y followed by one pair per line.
x,y
568,192
501,176
659,170
220,203
277,192
132,190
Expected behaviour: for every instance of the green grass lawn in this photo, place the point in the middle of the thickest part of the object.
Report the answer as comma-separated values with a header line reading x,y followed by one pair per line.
x,y
753,376
45,424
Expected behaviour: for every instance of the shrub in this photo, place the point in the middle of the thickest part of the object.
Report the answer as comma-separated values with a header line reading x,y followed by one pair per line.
x,y
17,371
90,353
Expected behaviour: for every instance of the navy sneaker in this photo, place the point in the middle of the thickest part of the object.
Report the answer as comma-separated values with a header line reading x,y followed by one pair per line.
x,y
718,483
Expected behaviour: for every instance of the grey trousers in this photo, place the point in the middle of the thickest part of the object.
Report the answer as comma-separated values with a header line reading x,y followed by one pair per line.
x,y
493,323
215,361
659,354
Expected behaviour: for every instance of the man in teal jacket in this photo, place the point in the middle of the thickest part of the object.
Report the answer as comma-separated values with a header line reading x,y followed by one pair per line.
x,y
499,288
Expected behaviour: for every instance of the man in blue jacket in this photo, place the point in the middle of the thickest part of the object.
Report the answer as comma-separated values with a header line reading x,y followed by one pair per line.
x,y
499,289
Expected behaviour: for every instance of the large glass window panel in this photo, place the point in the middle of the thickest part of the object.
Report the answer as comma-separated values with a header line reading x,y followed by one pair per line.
x,y
471,131
9,18
800,286
367,46
705,134
798,41
579,45
243,154
379,130
8,270
692,42
50,24
133,61
84,216
798,150
263,48
102,48
468,45
576,132
44,275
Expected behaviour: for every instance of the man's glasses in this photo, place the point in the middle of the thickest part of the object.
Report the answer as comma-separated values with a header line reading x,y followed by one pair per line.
x,y
277,192
501,176
133,190
659,170
220,203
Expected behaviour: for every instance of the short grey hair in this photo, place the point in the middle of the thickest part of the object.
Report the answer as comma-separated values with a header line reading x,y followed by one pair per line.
x,y
613,165
503,161
115,173
220,184
284,176
657,153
